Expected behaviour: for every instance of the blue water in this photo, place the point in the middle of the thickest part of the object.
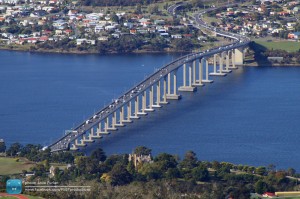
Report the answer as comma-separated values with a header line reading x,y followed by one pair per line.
x,y
249,117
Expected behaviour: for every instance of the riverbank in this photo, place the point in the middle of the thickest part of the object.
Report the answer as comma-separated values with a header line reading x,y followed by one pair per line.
x,y
249,62
90,52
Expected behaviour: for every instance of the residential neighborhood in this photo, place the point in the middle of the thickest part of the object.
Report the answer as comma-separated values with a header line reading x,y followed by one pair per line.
x,y
59,24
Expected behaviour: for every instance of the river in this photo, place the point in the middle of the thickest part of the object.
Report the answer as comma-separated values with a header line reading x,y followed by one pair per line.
x,y
249,117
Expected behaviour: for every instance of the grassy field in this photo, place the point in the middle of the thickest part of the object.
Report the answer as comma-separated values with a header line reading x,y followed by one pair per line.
x,y
289,46
11,166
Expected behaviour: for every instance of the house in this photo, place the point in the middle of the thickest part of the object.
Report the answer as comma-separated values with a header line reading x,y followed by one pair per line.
x,y
177,36
43,38
58,32
102,38
46,32
38,13
275,59
269,195
294,35
187,35
116,35
142,31
72,12
111,27
82,41
59,24
164,34
68,32
128,24
132,31
36,34
159,22
32,40
98,28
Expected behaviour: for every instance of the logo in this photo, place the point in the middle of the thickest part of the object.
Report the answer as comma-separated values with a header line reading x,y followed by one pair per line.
x,y
14,186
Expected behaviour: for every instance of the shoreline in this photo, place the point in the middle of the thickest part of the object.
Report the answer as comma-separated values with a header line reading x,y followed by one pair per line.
x,y
253,64
57,51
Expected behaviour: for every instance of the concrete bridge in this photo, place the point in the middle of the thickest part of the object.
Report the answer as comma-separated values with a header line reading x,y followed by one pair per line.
x,y
158,88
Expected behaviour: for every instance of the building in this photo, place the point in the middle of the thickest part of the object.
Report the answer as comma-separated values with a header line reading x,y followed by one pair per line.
x,y
294,35
269,195
139,159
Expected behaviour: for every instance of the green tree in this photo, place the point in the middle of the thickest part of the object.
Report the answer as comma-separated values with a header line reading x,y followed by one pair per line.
x,y
190,160
183,44
173,173
261,187
142,150
130,168
197,3
138,9
200,173
2,147
119,175
14,149
151,171
291,171
98,154
165,161
153,9
114,18
261,170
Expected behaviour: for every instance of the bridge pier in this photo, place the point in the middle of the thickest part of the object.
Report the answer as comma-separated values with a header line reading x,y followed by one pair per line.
x,y
227,63
87,140
238,56
99,130
165,92
188,88
150,109
169,95
79,144
121,111
97,136
73,148
107,126
206,80
200,73
232,60
128,113
220,72
157,96
194,73
142,112
136,109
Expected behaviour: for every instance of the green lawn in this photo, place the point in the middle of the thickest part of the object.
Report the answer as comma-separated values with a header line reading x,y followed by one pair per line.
x,y
289,46
11,166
